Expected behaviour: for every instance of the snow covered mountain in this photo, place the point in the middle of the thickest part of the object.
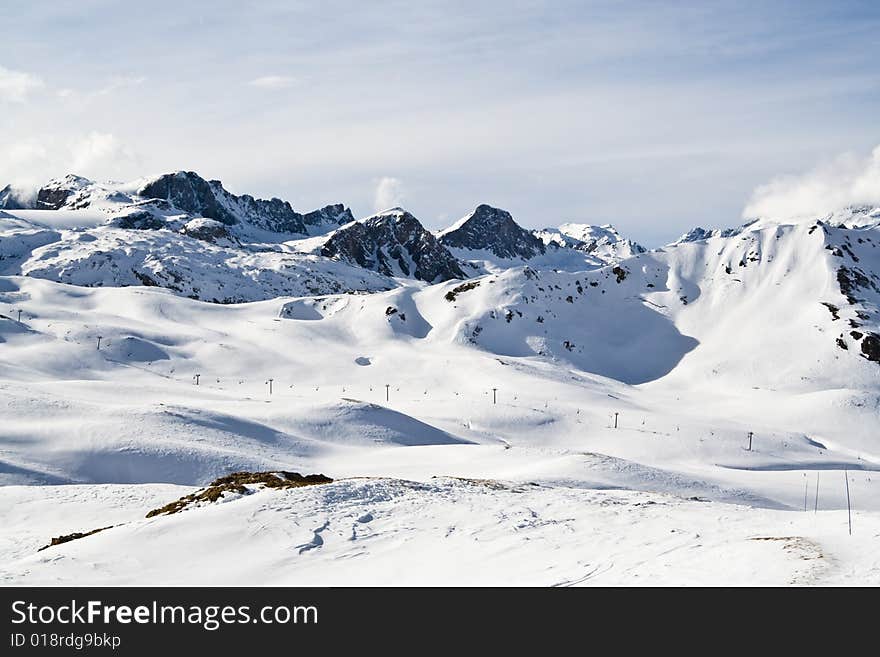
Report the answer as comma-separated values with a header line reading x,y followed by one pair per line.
x,y
181,192
698,234
489,240
601,242
394,243
177,231
492,230
195,257
188,191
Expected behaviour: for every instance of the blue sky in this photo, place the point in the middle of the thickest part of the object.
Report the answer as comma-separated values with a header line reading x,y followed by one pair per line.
x,y
653,116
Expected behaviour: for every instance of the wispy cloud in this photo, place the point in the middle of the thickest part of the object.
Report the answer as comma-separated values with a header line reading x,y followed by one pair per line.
x,y
272,82
389,193
845,181
16,86
99,151
31,161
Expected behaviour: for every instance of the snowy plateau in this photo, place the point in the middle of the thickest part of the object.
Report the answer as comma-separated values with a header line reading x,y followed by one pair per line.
x,y
487,404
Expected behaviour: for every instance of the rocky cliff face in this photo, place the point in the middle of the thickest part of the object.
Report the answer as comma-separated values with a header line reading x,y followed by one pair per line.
x,y
394,243
193,194
494,230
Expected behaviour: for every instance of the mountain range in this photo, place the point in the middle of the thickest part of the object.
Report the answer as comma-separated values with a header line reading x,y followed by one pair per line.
x,y
175,230
558,396
192,236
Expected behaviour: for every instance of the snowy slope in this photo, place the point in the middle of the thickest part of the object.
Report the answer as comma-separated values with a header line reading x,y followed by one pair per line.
x,y
604,411
192,258
385,531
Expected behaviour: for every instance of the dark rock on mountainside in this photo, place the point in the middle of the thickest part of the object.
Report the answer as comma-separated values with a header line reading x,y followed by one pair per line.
x,y
207,230
139,220
852,280
494,230
871,347
394,243
336,214
193,194
54,195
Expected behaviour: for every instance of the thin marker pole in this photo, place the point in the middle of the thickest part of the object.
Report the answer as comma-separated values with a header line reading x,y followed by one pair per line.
x,y
816,506
806,489
848,506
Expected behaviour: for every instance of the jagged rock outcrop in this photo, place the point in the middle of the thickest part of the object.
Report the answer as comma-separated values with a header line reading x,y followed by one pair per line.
x,y
208,230
142,219
394,243
191,193
188,191
336,214
493,230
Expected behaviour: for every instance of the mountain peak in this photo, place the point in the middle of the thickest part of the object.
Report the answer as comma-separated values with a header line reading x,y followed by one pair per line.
x,y
191,193
492,229
397,210
394,243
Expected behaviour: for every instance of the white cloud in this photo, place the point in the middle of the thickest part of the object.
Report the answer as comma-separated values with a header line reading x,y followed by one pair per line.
x,y
272,82
31,162
99,153
15,86
847,180
24,164
389,193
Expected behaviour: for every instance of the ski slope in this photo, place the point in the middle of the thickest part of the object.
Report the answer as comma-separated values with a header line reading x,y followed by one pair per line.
x,y
686,349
